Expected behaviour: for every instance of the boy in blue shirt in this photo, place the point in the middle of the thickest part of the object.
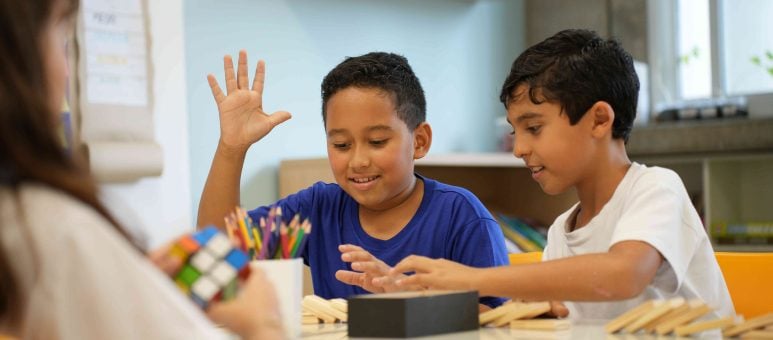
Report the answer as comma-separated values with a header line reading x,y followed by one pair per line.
x,y
633,236
379,211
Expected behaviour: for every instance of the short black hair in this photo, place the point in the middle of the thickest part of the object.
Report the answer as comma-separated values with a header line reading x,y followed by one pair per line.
x,y
388,72
576,68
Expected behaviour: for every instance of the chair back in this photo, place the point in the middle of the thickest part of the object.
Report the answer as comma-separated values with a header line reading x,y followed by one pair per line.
x,y
524,258
749,278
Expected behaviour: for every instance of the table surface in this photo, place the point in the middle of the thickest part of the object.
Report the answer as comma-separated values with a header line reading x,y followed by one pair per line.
x,y
580,330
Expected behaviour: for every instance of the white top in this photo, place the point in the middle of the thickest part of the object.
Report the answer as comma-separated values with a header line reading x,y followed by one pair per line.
x,y
650,205
81,280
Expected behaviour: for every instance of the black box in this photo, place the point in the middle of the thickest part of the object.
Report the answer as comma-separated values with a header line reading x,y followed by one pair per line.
x,y
410,314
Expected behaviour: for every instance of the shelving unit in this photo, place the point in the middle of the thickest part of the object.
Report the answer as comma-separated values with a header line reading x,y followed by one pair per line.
x,y
725,188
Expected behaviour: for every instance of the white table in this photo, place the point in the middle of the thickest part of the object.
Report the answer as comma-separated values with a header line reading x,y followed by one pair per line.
x,y
580,330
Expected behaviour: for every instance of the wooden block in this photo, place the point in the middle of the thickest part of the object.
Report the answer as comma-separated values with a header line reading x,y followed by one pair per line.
x,y
697,308
325,307
761,321
704,326
339,304
759,334
650,327
321,310
541,324
496,313
653,314
522,310
631,315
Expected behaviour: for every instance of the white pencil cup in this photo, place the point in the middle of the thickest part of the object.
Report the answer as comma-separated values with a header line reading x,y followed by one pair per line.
x,y
287,277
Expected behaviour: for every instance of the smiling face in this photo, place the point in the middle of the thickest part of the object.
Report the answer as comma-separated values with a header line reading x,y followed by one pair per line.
x,y
557,153
371,151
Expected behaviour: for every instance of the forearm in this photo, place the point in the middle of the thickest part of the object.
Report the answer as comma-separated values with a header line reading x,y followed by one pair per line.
x,y
221,190
591,277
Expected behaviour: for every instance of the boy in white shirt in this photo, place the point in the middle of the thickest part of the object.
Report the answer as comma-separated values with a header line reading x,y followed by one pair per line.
x,y
634,235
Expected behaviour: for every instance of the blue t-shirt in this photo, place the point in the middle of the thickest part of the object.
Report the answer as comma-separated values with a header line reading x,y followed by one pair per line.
x,y
450,223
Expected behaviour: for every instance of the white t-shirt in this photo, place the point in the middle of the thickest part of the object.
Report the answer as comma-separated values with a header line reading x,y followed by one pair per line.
x,y
80,279
650,205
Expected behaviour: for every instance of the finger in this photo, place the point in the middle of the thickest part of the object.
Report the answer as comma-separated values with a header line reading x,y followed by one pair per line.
x,y
413,263
356,256
217,93
278,117
230,79
416,280
558,309
260,76
369,267
241,71
350,277
348,248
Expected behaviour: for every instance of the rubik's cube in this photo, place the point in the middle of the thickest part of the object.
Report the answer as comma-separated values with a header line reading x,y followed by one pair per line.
x,y
212,266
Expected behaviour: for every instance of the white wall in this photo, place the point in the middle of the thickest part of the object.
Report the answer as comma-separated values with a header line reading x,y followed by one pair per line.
x,y
159,208
460,50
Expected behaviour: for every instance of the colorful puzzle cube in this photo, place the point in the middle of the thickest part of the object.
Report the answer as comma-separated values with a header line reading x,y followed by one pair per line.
x,y
212,266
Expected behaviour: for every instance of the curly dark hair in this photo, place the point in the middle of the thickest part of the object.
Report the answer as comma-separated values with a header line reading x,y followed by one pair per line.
x,y
385,71
576,68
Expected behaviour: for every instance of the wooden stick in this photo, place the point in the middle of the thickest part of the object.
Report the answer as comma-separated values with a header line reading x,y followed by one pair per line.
x,y
489,316
650,327
629,316
704,326
541,324
653,314
697,309
759,334
339,304
523,311
319,307
761,321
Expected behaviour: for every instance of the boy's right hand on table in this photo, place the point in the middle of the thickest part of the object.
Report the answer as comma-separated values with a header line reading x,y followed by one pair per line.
x,y
242,119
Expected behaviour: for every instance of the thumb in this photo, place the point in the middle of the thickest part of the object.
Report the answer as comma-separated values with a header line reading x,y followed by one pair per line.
x,y
279,117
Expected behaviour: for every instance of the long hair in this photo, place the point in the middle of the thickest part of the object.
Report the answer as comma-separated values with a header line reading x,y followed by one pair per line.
x,y
30,151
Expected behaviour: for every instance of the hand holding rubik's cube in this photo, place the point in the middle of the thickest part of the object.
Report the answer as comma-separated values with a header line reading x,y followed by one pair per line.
x,y
212,266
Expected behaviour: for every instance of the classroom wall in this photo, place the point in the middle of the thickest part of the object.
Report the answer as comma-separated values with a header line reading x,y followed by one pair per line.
x,y
460,50
158,208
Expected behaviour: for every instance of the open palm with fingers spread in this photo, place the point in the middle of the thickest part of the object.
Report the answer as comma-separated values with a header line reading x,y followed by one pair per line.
x,y
242,119
368,272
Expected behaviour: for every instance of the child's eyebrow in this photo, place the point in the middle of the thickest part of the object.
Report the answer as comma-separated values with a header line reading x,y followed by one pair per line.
x,y
528,115
333,132
379,128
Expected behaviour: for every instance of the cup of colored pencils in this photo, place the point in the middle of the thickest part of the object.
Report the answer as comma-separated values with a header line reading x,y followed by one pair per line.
x,y
275,246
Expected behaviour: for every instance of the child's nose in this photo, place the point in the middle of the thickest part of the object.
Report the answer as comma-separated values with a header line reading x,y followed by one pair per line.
x,y
360,158
520,149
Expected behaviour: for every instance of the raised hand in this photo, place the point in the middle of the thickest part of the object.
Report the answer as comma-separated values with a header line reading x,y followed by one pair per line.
x,y
367,272
242,119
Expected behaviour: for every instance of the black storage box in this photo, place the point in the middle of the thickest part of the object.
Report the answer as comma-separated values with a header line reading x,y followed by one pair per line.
x,y
411,314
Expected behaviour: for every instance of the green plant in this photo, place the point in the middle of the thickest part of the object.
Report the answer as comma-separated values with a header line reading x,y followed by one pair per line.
x,y
766,62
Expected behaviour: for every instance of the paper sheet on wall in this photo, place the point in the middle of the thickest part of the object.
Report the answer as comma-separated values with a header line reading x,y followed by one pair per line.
x,y
115,100
114,39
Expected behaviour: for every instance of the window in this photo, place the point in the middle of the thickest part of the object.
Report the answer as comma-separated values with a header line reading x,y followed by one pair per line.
x,y
702,49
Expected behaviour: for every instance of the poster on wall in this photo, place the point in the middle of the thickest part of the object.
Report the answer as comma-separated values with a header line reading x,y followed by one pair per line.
x,y
115,91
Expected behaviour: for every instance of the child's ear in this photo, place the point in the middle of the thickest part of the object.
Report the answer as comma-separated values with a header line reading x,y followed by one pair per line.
x,y
603,119
422,140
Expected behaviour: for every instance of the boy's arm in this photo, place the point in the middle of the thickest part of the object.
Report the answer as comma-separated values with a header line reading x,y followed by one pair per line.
x,y
619,274
242,123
